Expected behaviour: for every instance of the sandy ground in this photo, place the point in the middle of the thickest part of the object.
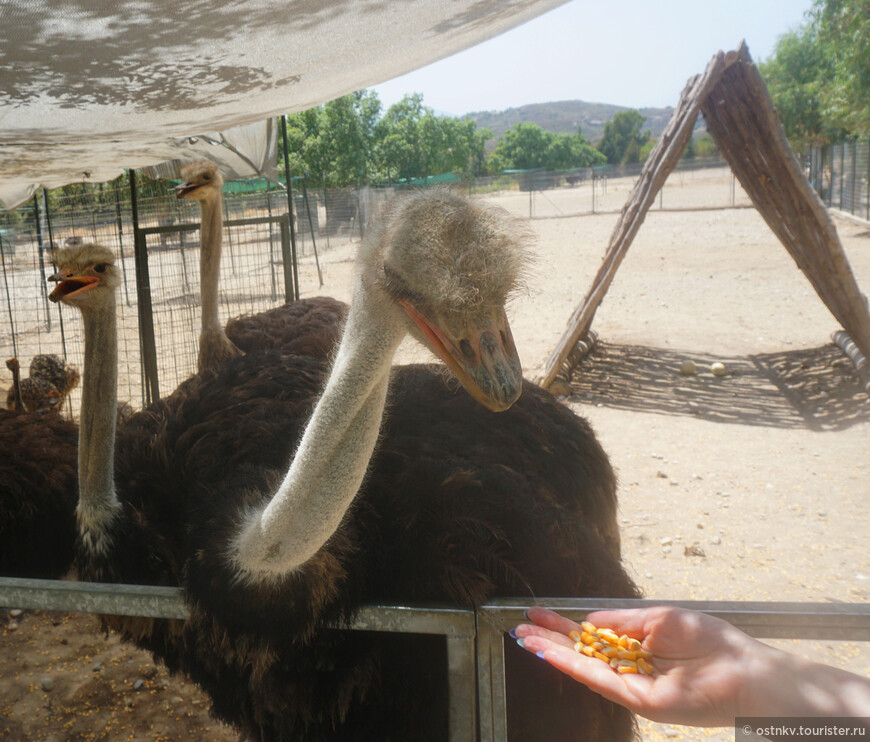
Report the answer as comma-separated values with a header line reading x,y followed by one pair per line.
x,y
764,471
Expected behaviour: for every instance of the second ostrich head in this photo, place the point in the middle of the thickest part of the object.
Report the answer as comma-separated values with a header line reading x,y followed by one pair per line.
x,y
201,181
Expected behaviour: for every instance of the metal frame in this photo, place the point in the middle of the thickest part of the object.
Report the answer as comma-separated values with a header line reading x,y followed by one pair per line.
x,y
475,638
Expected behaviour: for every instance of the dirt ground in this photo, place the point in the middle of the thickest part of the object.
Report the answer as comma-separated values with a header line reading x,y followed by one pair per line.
x,y
763,471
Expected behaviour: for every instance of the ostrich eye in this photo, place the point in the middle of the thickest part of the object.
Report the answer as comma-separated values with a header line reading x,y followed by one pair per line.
x,y
100,267
207,176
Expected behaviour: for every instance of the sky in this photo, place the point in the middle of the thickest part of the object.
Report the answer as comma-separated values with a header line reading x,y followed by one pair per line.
x,y
633,53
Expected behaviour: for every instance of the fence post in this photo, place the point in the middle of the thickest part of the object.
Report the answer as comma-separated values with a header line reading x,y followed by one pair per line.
x,y
51,245
311,226
41,251
291,270
147,344
287,256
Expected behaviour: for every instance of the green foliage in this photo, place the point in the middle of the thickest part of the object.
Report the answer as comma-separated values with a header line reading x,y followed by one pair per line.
x,y
527,146
819,74
705,147
623,140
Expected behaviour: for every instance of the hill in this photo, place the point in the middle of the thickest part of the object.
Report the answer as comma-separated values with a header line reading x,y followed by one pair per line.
x,y
563,117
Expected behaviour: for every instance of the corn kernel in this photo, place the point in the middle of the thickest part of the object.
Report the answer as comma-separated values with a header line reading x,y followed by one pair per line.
x,y
598,646
601,657
623,641
645,666
575,635
624,654
587,638
634,645
623,669
643,653
578,646
608,635
588,627
614,663
610,652
586,649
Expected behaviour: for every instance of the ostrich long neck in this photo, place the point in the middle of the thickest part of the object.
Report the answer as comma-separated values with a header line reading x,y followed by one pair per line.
x,y
97,500
332,458
210,263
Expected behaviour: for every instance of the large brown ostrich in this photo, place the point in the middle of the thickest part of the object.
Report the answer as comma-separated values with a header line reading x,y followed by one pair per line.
x,y
37,489
310,327
279,502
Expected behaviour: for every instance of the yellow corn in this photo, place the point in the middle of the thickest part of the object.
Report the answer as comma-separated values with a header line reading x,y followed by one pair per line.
x,y
623,653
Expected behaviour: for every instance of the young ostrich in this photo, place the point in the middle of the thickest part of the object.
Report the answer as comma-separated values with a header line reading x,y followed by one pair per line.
x,y
31,394
37,488
57,372
310,327
457,505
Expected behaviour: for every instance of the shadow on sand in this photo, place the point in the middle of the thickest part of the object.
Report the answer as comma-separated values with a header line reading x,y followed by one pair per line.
x,y
815,388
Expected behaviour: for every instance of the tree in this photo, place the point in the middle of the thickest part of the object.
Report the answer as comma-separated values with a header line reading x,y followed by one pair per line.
x,y
819,74
623,139
332,141
527,146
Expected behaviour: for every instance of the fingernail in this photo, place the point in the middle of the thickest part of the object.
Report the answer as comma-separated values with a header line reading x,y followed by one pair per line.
x,y
512,633
521,643
526,613
540,654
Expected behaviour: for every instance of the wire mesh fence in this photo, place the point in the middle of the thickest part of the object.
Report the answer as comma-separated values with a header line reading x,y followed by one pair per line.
x,y
840,174
255,270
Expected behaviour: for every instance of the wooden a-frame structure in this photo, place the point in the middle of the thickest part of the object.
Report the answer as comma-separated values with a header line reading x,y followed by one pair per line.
x,y
742,122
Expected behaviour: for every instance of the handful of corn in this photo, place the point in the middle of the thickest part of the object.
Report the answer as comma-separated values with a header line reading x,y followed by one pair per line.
x,y
622,653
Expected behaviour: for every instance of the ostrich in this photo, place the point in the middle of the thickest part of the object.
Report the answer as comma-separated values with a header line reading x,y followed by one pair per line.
x,y
37,489
308,327
57,372
273,556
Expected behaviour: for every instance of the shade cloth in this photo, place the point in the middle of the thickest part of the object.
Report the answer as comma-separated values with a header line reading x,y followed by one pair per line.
x,y
89,88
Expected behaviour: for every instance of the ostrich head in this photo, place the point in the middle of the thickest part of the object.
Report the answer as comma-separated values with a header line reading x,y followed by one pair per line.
x,y
451,264
202,181
86,276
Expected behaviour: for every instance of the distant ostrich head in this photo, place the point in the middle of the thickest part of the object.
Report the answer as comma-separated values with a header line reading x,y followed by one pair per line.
x,y
451,264
202,181
86,276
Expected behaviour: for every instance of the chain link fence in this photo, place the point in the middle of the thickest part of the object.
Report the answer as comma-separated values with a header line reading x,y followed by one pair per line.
x,y
256,274
840,174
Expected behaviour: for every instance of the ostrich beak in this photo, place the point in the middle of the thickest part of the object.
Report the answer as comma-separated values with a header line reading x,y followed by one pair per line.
x,y
185,189
69,285
484,359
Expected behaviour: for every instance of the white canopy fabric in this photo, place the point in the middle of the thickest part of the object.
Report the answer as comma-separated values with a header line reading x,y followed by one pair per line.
x,y
90,87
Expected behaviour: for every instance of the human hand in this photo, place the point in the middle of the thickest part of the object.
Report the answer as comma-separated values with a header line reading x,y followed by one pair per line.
x,y
704,665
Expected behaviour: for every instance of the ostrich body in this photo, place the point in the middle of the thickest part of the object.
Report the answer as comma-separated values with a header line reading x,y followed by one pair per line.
x,y
272,557
37,488
310,327
56,371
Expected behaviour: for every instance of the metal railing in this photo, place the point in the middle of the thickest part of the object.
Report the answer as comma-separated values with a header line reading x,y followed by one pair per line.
x,y
475,638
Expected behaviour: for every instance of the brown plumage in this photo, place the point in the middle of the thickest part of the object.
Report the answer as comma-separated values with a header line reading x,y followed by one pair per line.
x,y
13,396
459,505
38,491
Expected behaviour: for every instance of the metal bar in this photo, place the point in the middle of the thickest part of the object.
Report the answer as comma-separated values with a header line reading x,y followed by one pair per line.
x,y
311,229
484,685
156,601
287,257
292,267
40,250
461,685
148,345
769,620
47,213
